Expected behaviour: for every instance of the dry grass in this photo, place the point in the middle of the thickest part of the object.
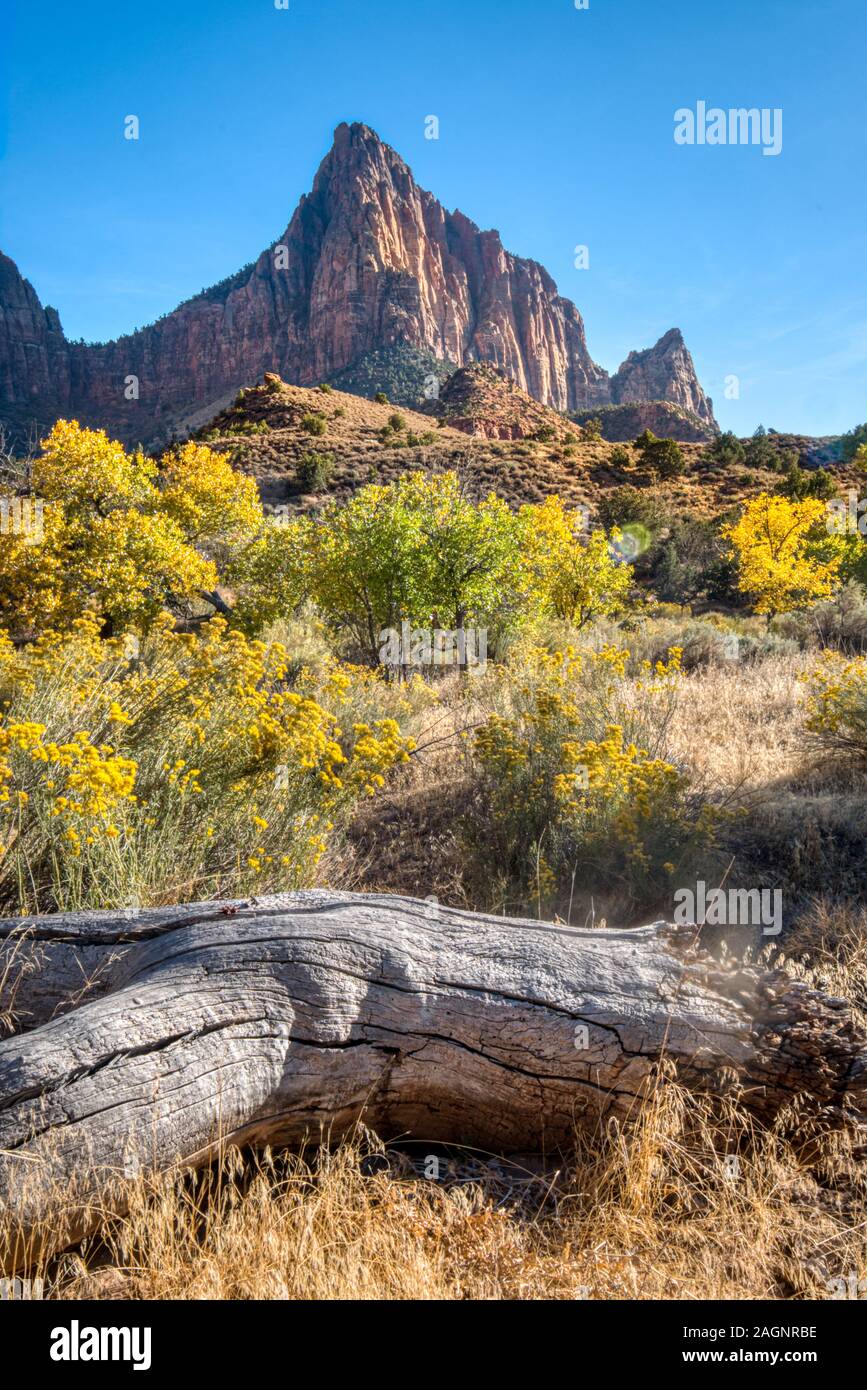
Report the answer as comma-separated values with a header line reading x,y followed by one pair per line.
x,y
795,820
828,943
802,817
641,1213
16,963
742,726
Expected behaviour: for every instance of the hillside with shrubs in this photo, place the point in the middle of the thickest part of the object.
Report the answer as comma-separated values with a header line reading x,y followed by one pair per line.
x,y
221,675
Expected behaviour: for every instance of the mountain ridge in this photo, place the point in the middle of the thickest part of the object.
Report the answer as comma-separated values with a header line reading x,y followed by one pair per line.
x,y
368,262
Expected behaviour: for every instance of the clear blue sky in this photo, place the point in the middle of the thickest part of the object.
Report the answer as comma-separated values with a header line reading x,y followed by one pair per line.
x,y
556,128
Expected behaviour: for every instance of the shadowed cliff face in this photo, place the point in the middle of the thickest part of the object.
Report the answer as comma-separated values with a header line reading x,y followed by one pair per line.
x,y
34,356
369,260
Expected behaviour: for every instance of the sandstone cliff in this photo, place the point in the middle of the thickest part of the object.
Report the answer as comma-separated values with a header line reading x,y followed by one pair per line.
x,y
665,372
369,261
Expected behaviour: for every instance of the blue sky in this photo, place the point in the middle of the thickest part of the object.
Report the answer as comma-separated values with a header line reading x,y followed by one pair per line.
x,y
556,127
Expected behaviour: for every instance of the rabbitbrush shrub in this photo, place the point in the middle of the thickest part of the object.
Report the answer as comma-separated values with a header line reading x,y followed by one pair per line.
x,y
174,767
573,783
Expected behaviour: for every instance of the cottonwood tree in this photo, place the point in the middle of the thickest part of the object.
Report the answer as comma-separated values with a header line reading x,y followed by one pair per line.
x,y
785,555
418,550
468,553
573,575
121,536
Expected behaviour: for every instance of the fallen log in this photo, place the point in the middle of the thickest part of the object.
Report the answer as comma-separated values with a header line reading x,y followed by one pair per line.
x,y
150,1039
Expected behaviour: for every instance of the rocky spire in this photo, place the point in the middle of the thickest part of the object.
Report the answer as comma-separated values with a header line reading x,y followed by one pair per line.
x,y
369,261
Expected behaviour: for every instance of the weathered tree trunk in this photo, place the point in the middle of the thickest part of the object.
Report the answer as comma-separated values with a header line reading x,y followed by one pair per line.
x,y
150,1038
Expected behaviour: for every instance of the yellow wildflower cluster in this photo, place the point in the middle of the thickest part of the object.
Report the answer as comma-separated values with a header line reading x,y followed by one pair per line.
x,y
564,785
657,676
82,784
836,703
174,764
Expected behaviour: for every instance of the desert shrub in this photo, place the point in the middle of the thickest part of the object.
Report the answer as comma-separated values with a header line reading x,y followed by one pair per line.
x,y
840,622
248,427
667,460
381,398
693,562
314,423
712,640
630,506
315,471
592,428
619,457
836,704
544,434
325,388
726,451
173,768
800,483
396,422
760,452
852,442
765,646
661,457
572,784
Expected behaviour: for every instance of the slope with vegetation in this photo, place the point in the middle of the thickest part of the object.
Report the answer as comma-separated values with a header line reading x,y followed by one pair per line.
x,y
504,442
193,704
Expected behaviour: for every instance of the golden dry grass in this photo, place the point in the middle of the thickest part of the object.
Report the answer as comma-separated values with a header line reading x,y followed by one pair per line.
x,y
743,726
648,1212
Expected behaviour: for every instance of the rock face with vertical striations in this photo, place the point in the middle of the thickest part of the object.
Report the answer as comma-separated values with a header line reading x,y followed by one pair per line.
x,y
369,264
665,372
34,357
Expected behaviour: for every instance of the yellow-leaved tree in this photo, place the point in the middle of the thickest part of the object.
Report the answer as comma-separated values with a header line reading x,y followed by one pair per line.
x,y
786,556
214,506
89,474
118,535
575,576
133,566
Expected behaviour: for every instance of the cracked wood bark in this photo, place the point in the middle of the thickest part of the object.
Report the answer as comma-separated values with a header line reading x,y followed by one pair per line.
x,y
149,1038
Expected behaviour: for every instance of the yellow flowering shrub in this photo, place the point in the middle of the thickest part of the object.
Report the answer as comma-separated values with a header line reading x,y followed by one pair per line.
x,y
836,703
565,794
174,767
